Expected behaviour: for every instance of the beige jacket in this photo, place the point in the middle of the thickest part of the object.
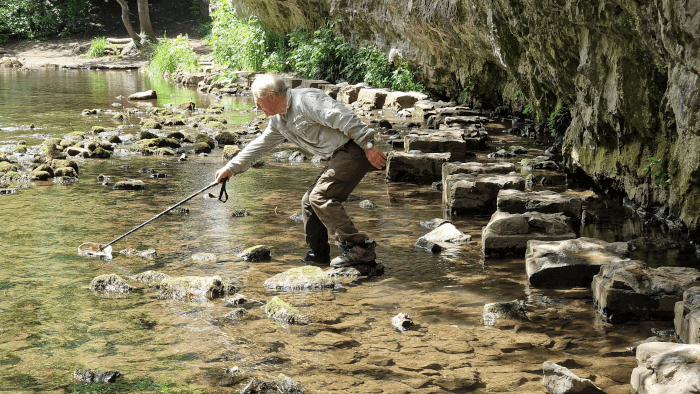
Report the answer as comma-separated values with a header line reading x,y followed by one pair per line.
x,y
313,121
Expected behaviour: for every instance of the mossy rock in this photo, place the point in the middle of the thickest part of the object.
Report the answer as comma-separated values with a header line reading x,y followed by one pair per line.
x,y
89,112
201,137
65,143
75,136
206,118
114,139
89,145
178,135
66,171
55,164
188,106
189,138
119,117
301,278
21,149
52,142
151,278
52,152
106,145
131,184
256,253
195,288
169,143
101,153
227,138
164,152
160,112
11,175
7,166
3,157
45,167
40,175
230,151
147,135
215,109
110,283
202,147
150,124
215,125
284,312
175,120
98,129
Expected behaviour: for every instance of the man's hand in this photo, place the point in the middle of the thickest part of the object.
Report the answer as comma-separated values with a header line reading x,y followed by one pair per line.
x,y
376,157
221,174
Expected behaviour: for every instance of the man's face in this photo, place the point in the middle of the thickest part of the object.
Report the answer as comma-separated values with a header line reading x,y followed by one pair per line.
x,y
271,104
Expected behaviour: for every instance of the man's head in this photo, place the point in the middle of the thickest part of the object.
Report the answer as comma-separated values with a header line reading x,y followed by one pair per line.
x,y
270,94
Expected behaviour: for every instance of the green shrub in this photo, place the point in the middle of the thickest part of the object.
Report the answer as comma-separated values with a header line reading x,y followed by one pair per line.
x,y
559,121
97,47
42,18
171,55
404,79
322,55
204,29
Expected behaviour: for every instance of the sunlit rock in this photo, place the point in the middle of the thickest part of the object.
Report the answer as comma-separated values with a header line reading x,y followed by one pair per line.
x,y
630,290
9,62
401,100
415,167
256,253
437,142
687,316
227,138
283,312
110,284
195,288
402,322
131,184
516,201
300,278
370,98
504,313
570,263
147,95
348,94
509,233
463,193
150,278
666,368
447,232
559,380
237,299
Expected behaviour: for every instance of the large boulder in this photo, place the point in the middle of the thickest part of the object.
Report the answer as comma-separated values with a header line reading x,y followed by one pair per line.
x,y
462,193
437,143
401,100
147,95
687,316
666,368
570,263
415,166
630,290
371,98
300,278
509,233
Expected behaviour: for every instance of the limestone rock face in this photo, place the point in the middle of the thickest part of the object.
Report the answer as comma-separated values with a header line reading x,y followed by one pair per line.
x,y
666,368
687,316
628,74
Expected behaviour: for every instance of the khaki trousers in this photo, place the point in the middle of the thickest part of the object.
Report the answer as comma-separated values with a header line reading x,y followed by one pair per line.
x,y
321,206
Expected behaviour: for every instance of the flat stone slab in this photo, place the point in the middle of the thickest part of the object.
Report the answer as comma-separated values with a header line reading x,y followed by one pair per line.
x,y
570,263
665,367
371,98
437,142
401,100
476,168
415,167
301,278
464,193
516,201
629,290
509,233
687,316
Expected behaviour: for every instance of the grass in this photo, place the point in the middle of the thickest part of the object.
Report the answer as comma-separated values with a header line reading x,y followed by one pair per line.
x,y
173,55
97,47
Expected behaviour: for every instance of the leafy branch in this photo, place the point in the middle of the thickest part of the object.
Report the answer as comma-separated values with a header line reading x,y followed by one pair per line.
x,y
657,171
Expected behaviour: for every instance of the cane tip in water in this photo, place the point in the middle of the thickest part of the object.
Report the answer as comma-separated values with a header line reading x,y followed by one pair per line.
x,y
95,250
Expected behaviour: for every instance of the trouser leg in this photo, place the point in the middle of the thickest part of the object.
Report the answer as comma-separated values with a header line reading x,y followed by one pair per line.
x,y
344,171
316,232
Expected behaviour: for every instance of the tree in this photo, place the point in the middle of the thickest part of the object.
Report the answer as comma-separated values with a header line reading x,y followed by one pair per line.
x,y
144,20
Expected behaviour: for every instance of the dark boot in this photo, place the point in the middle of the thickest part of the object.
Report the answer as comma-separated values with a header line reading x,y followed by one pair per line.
x,y
321,257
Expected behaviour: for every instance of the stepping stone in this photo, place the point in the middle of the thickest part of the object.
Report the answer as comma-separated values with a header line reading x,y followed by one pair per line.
x,y
510,232
301,278
401,100
687,316
371,98
570,263
438,142
415,167
195,288
464,193
629,290
477,168
516,201
665,367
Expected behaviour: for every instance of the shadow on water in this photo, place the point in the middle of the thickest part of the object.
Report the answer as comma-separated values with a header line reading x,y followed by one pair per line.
x,y
51,324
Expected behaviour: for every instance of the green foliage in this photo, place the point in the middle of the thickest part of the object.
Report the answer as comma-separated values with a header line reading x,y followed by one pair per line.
x,y
194,8
35,19
171,55
204,29
519,94
466,94
242,43
657,171
404,79
559,121
322,55
97,47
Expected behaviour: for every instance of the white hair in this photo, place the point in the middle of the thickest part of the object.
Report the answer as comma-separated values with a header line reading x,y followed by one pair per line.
x,y
268,83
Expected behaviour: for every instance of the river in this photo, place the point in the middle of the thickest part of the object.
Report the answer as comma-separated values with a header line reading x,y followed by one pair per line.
x,y
51,324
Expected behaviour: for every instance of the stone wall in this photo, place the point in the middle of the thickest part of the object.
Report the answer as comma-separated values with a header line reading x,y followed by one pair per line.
x,y
628,70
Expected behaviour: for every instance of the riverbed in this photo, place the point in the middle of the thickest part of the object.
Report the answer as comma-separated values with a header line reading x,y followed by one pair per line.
x,y
51,324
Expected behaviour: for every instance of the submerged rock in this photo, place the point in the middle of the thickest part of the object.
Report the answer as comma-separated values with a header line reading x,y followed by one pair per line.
x,y
205,257
301,278
357,270
95,376
147,95
402,322
504,313
150,278
283,312
131,184
256,253
146,254
110,284
195,288
282,385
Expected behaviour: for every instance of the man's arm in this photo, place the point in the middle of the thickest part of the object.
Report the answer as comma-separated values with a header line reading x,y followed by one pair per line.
x,y
252,152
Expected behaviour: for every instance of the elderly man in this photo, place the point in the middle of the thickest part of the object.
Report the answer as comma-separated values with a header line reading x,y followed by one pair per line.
x,y
322,126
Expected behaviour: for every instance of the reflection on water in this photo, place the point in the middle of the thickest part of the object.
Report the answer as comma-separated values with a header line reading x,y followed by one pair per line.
x,y
51,324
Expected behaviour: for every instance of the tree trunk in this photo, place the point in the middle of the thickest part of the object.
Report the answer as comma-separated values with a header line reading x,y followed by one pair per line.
x,y
127,22
145,19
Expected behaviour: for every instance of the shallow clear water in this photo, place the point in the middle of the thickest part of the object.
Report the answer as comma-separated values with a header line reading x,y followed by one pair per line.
x,y
51,324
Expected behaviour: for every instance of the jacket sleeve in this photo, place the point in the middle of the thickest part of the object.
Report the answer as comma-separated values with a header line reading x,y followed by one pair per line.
x,y
255,150
322,109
